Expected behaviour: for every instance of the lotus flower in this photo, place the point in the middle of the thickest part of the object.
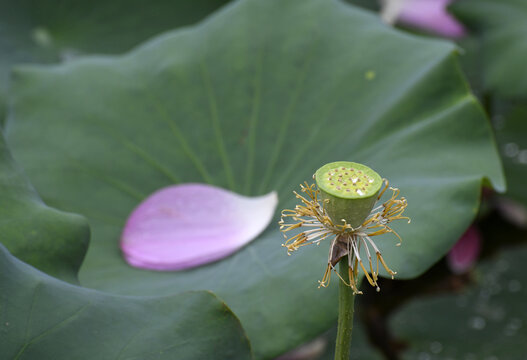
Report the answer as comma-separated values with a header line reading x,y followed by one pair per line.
x,y
428,15
465,252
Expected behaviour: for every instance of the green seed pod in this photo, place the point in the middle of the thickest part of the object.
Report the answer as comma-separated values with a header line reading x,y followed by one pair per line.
x,y
349,191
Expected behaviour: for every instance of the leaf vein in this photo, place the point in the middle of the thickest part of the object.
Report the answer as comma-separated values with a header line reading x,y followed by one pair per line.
x,y
280,139
198,164
213,109
52,328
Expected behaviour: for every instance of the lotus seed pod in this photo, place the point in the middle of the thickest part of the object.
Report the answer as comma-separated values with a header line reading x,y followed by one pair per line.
x,y
349,191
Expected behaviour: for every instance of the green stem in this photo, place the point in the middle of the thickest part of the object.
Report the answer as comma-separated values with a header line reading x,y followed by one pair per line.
x,y
345,325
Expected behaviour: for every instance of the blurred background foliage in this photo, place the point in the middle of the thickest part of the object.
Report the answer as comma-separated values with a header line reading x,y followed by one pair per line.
x,y
477,314
57,31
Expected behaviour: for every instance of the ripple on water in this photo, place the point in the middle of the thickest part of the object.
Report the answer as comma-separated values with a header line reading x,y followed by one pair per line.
x,y
511,149
512,327
424,356
514,286
477,323
436,347
522,156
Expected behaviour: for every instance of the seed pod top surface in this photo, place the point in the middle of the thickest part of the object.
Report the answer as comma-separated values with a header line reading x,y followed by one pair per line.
x,y
348,180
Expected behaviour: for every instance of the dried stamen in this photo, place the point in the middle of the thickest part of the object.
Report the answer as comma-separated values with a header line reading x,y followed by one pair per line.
x,y
314,224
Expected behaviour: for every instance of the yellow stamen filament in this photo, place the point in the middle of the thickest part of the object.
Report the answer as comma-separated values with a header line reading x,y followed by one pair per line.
x,y
314,225
388,270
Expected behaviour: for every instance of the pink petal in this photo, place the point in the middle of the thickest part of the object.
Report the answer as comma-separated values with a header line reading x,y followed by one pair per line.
x,y
183,226
431,15
465,252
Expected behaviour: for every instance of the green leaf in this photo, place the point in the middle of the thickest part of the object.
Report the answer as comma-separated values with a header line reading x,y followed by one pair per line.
x,y
53,241
44,318
502,25
255,99
486,321
36,31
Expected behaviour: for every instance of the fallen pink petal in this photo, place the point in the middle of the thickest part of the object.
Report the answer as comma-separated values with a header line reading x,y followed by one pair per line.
x,y
465,252
430,15
188,225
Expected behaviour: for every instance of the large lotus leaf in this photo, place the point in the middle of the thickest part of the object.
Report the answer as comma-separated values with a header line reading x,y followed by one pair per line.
x,y
255,99
37,31
487,321
44,318
53,241
502,25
